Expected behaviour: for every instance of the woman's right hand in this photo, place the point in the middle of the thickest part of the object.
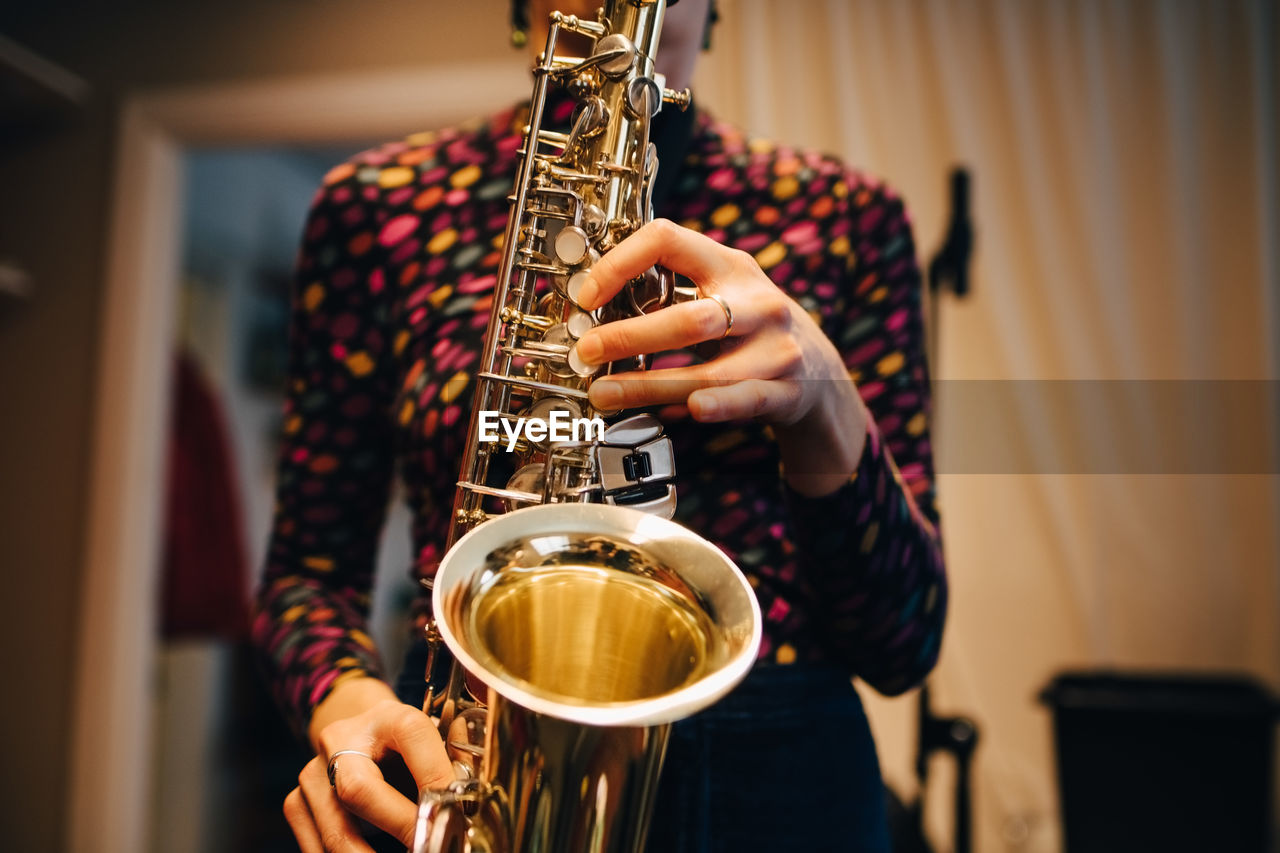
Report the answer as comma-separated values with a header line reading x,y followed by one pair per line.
x,y
325,818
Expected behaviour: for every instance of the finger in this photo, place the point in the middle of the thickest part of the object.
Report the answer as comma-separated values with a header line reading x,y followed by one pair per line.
x,y
674,327
361,790
659,242
767,400
673,412
772,357
412,734
706,400
298,816
335,826
636,390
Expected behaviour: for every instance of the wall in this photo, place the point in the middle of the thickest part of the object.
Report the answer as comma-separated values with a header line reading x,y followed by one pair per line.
x,y
1128,253
51,224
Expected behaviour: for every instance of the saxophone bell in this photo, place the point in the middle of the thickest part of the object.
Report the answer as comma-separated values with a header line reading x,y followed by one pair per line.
x,y
593,628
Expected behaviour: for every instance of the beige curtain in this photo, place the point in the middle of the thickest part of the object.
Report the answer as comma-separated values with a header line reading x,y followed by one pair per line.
x,y
1107,408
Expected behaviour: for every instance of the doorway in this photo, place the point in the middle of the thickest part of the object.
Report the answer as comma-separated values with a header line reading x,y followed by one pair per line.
x,y
114,760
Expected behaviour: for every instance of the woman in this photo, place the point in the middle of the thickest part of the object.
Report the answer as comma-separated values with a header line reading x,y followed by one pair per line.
x,y
802,445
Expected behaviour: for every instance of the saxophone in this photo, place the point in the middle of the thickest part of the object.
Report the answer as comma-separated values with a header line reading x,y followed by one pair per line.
x,y
587,619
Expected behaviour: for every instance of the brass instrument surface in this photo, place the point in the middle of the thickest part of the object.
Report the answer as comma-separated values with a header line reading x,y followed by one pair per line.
x,y
654,563
583,634
571,758
576,196
591,619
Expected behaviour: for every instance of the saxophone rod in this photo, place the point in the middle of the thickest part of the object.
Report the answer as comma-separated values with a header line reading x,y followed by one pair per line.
x,y
490,355
535,385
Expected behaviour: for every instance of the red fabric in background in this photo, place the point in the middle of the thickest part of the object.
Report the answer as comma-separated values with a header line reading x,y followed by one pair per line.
x,y
205,583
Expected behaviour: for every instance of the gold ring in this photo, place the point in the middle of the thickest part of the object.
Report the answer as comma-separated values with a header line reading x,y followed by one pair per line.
x,y
728,315
333,783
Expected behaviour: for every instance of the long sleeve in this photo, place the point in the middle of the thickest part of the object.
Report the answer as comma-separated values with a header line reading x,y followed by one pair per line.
x,y
336,458
871,551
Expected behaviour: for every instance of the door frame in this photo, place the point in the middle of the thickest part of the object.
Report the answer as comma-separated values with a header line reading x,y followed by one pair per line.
x,y
111,750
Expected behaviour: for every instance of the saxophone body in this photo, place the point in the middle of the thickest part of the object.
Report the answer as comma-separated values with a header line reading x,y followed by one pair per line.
x,y
576,196
593,628
573,621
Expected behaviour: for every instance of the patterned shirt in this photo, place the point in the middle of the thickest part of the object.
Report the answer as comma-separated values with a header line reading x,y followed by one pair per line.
x,y
391,299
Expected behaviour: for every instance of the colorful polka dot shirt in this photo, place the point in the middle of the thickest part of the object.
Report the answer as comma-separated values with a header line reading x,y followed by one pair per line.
x,y
391,299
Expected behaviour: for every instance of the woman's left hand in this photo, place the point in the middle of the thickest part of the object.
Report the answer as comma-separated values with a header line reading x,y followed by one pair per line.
x,y
775,365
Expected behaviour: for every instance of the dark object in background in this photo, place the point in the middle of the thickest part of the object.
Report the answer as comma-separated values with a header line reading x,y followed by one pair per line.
x,y
37,96
959,737
205,578
950,266
266,356
1163,762
257,763
905,832
949,269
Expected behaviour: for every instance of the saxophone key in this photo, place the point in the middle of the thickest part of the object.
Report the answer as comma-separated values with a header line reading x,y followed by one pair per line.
x,y
578,366
593,219
614,55
571,245
529,483
580,322
544,408
558,346
643,98
573,287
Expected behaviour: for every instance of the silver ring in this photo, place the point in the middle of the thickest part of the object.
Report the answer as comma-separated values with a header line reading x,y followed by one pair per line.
x,y
333,783
728,315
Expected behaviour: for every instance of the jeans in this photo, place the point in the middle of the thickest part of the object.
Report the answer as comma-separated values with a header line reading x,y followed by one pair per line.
x,y
784,762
